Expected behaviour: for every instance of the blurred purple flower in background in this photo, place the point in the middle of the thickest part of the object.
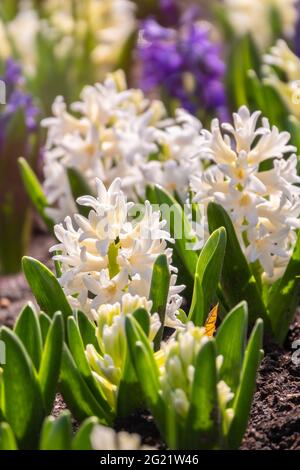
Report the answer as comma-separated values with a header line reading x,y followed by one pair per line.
x,y
17,99
184,63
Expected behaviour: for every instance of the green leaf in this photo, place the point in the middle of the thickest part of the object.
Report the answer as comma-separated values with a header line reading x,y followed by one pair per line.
x,y
125,59
45,323
87,330
238,282
151,194
76,392
202,421
35,191
22,399
143,360
27,328
129,386
77,350
7,438
179,228
45,287
208,272
79,187
244,395
231,342
51,360
57,433
243,57
284,299
182,316
82,439
159,292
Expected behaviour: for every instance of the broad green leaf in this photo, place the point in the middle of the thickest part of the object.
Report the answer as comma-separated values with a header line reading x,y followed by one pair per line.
x,y
3,359
202,421
35,191
142,317
57,433
27,328
77,350
143,360
45,287
82,439
7,438
284,299
231,342
243,57
159,292
208,272
244,395
87,330
23,404
129,386
76,392
79,187
51,359
180,229
238,283
45,323
151,194
126,57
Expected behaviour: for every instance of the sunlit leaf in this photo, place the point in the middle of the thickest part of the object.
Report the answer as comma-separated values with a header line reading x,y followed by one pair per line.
x,y
45,287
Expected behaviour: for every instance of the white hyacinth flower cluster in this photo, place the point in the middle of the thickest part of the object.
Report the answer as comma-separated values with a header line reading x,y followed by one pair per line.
x,y
177,361
103,438
108,367
281,57
255,17
254,177
109,24
112,252
119,133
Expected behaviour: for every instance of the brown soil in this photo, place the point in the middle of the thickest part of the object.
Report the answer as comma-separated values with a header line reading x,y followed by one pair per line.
x,y
275,416
14,290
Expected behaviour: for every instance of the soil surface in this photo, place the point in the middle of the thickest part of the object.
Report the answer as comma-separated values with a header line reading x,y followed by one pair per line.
x,y
275,416
14,290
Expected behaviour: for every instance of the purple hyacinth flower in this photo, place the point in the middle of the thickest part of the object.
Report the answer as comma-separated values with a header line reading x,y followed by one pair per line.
x,y
13,73
17,99
185,63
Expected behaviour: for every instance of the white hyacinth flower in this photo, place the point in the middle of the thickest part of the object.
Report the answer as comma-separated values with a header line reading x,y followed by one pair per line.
x,y
254,177
117,132
177,361
108,22
178,141
251,16
108,367
111,136
286,61
110,252
103,438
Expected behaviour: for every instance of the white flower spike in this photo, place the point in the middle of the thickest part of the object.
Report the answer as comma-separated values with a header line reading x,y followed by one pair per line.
x,y
254,178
